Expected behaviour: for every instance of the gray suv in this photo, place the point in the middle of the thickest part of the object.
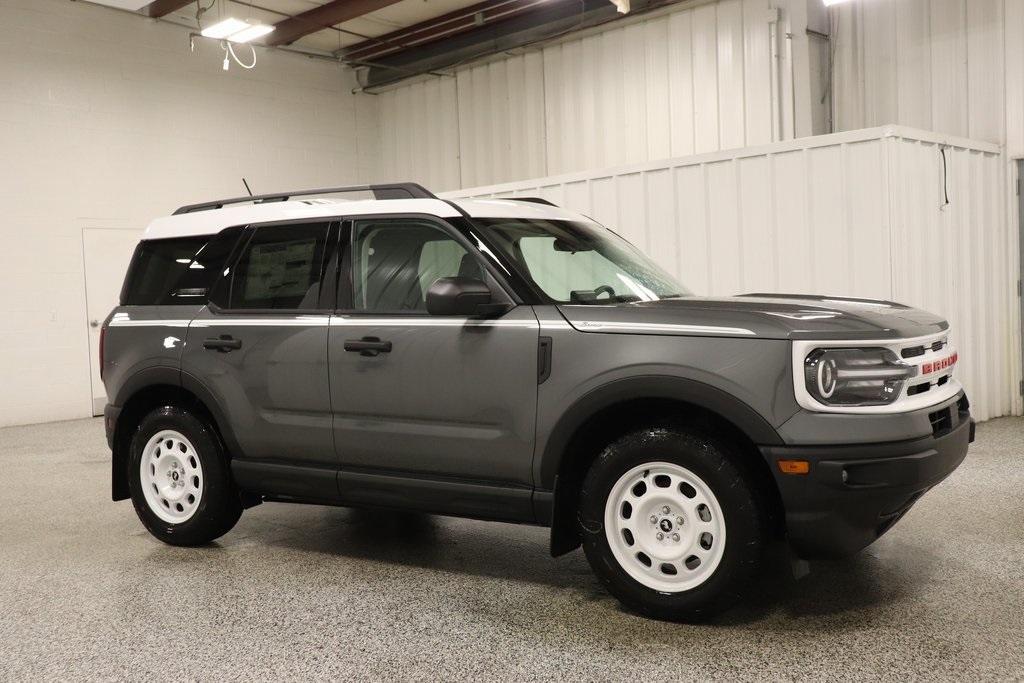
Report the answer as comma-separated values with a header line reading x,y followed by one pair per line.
x,y
510,360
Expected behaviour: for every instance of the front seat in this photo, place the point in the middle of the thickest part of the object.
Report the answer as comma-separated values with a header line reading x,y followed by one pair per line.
x,y
470,267
392,272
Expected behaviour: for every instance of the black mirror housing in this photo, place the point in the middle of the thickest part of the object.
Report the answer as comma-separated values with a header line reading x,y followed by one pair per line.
x,y
460,296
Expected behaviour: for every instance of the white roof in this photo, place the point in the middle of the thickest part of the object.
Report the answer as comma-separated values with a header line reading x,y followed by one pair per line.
x,y
212,221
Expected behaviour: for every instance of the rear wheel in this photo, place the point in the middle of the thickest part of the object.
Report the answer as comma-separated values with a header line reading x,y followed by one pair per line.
x,y
179,478
671,525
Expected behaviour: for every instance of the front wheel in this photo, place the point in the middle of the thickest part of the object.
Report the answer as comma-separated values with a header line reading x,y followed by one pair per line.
x,y
179,479
671,525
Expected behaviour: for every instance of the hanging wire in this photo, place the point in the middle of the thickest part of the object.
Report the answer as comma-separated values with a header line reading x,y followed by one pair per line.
x,y
945,180
230,49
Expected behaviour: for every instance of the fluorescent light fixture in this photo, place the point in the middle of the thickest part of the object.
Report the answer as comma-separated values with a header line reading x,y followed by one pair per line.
x,y
236,30
829,3
251,33
223,29
130,5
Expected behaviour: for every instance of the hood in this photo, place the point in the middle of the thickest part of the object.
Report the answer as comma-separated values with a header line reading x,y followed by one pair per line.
x,y
768,316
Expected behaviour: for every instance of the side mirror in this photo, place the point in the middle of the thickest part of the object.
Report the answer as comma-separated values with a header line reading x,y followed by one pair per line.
x,y
461,296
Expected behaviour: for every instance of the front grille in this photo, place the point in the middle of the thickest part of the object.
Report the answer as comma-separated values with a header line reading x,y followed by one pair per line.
x,y
915,389
942,421
931,359
912,352
918,389
915,351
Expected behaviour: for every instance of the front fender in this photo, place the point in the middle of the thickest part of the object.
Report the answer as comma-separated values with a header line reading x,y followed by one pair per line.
x,y
681,389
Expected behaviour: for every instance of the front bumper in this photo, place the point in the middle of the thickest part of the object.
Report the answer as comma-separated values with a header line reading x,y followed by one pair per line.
x,y
855,493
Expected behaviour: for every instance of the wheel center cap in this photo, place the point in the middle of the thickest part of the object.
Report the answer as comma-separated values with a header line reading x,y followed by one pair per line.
x,y
665,525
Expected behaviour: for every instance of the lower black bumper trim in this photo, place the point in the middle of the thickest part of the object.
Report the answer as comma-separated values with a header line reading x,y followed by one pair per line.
x,y
854,494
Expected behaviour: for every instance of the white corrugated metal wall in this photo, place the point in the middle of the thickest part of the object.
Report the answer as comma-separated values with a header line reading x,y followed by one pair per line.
x,y
952,66
695,80
419,133
860,213
932,64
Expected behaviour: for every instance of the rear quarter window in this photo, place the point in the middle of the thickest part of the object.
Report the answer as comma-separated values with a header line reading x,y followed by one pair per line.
x,y
176,271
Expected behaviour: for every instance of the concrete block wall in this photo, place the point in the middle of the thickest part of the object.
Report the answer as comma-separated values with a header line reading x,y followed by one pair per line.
x,y
108,120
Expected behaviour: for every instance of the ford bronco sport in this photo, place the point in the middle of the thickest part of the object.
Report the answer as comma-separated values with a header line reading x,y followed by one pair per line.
x,y
510,360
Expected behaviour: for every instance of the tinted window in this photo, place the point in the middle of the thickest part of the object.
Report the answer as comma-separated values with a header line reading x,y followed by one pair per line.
x,y
157,267
177,271
281,267
395,262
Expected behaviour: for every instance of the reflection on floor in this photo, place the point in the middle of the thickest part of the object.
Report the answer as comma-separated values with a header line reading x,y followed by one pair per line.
x,y
299,591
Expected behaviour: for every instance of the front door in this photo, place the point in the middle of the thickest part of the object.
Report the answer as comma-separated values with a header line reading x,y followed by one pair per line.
x,y
439,398
260,349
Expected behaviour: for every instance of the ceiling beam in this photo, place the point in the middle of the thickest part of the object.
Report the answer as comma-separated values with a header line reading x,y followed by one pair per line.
x,y
160,8
446,25
333,13
550,20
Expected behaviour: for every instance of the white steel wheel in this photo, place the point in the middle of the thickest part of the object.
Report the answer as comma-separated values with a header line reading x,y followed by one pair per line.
x,y
665,527
171,476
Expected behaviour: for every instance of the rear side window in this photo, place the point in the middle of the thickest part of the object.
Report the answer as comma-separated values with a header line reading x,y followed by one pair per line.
x,y
177,271
157,267
281,267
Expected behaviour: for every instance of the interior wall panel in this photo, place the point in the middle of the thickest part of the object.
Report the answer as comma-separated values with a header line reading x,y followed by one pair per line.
x,y
697,79
861,213
419,133
107,122
757,74
934,64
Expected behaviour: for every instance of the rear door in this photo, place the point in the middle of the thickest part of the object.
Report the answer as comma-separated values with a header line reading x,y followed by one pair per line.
x,y
450,398
260,350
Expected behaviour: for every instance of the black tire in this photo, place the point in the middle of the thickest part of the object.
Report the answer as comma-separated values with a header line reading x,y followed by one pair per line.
x,y
219,504
746,521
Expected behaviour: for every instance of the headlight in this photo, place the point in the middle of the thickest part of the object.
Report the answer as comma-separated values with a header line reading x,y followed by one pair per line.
x,y
855,377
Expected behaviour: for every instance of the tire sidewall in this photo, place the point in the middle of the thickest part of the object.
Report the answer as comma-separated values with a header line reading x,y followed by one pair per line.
x,y
710,460
217,488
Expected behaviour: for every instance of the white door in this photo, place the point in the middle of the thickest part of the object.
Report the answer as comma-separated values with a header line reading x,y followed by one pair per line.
x,y
106,252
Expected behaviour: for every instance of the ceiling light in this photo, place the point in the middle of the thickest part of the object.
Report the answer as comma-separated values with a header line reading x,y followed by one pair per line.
x,y
223,29
829,3
130,5
251,33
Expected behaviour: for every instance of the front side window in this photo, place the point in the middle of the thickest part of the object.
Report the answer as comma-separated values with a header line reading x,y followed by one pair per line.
x,y
395,261
281,267
579,262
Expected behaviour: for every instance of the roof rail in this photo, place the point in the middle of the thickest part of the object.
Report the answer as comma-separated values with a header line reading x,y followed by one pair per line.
x,y
533,200
388,191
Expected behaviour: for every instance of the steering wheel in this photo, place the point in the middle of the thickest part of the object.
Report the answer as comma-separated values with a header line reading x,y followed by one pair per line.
x,y
602,289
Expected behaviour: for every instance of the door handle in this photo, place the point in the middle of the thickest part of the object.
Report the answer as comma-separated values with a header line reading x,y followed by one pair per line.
x,y
368,346
223,343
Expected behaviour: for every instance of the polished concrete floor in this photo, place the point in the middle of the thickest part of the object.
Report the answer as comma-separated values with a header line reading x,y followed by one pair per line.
x,y
299,591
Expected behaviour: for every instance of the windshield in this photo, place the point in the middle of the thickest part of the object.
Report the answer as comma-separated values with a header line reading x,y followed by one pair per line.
x,y
580,262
